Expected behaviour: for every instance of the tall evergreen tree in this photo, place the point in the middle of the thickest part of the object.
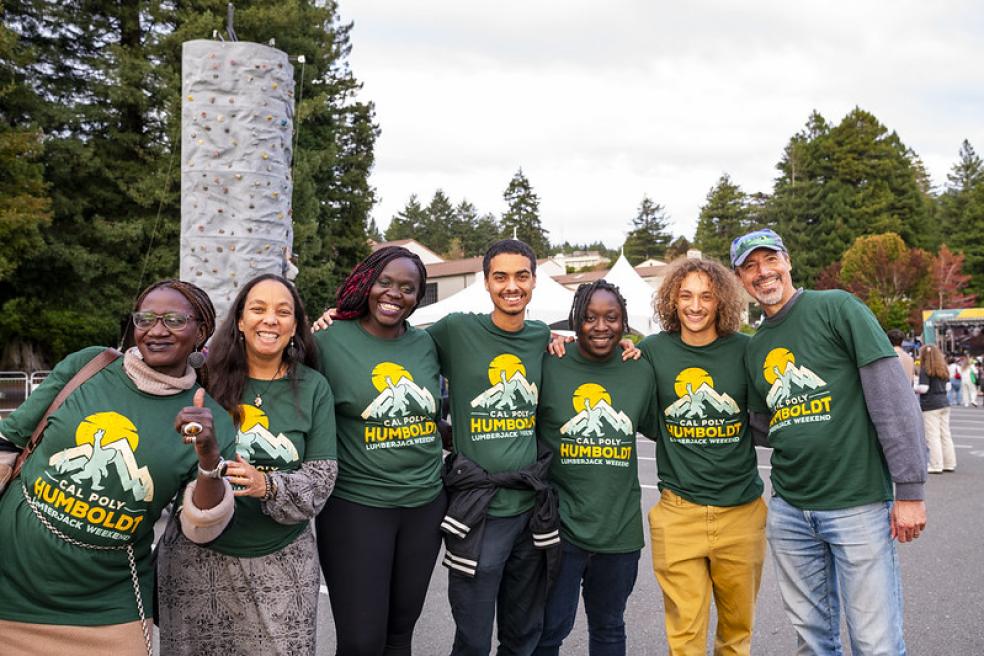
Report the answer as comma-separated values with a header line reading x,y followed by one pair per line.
x,y
649,236
408,222
440,225
523,215
724,216
962,213
841,182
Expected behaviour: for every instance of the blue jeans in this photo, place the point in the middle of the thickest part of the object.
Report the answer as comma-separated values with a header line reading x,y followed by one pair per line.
x,y
509,587
825,556
608,580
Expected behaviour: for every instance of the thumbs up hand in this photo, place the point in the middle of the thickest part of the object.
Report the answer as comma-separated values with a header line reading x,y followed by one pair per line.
x,y
194,422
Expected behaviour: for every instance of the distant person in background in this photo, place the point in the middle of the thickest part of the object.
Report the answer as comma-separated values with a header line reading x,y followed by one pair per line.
x,y
953,394
933,376
968,382
896,337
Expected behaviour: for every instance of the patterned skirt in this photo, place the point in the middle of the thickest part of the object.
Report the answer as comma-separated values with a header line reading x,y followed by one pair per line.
x,y
211,603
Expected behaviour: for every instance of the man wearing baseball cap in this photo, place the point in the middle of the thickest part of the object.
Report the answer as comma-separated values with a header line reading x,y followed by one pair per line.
x,y
828,389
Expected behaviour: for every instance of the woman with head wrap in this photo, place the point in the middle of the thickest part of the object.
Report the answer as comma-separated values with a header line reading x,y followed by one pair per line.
x,y
77,524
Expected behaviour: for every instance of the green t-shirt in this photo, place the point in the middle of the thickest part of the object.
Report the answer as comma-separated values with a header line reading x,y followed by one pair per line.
x,y
279,435
387,403
704,452
804,372
588,415
109,462
494,380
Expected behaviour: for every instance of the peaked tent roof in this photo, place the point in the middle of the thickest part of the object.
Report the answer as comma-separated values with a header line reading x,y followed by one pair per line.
x,y
638,296
551,303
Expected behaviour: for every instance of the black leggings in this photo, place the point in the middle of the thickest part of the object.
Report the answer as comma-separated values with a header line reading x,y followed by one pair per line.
x,y
377,564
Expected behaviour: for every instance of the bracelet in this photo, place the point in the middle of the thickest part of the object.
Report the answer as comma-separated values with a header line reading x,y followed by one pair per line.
x,y
217,472
268,494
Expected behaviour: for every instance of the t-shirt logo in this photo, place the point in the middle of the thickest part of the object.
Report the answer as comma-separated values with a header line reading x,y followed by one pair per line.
x,y
780,371
593,405
106,445
255,443
694,388
510,389
398,394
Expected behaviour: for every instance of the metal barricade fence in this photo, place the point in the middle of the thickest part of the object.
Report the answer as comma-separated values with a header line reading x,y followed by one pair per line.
x,y
14,388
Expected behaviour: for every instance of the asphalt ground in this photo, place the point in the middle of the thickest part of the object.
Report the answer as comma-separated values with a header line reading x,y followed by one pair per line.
x,y
942,573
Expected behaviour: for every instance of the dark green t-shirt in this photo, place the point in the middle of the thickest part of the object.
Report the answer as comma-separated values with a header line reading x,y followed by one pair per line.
x,y
704,452
387,402
494,379
804,372
588,415
109,462
280,434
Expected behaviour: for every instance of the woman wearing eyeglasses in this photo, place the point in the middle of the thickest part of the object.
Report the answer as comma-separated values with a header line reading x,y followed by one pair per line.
x,y
254,590
77,524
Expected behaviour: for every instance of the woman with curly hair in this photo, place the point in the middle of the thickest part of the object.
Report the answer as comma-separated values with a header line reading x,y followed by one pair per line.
x,y
262,572
708,528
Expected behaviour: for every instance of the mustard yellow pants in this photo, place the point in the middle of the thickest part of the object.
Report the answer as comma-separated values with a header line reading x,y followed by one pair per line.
x,y
703,550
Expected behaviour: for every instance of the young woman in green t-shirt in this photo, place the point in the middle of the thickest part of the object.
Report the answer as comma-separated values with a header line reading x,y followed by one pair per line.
x,y
262,571
379,534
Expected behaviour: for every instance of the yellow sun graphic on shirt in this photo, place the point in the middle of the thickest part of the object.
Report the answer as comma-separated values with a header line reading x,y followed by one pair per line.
x,y
592,393
253,416
390,370
694,377
113,425
506,363
776,361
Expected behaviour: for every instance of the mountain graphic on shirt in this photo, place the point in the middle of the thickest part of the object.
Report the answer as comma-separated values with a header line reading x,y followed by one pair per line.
x,y
694,388
594,406
509,389
106,444
256,443
399,395
786,377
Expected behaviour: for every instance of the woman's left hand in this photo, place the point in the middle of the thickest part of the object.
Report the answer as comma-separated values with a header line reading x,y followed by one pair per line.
x,y
194,422
246,476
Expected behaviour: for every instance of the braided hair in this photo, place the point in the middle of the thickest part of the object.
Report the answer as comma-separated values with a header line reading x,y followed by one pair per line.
x,y
200,303
352,297
582,297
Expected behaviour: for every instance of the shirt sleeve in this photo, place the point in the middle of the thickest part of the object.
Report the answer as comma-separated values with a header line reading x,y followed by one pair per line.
x,y
755,401
20,424
860,331
895,412
322,440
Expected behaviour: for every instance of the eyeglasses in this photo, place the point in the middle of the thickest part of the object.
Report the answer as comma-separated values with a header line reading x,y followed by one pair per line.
x,y
172,320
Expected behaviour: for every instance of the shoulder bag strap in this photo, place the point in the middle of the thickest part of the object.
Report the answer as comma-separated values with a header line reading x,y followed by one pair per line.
x,y
91,368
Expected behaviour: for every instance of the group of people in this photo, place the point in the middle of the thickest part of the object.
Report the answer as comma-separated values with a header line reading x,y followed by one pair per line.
x,y
538,502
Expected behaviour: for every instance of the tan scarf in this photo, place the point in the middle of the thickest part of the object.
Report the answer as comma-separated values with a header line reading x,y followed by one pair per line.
x,y
151,381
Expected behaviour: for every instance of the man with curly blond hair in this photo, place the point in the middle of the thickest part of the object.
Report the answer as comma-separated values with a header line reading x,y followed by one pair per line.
x,y
708,528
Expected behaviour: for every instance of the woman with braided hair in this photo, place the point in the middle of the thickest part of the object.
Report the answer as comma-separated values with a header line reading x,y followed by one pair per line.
x,y
379,533
264,567
77,524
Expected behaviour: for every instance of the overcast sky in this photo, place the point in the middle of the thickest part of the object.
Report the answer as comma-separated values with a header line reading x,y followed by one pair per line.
x,y
602,102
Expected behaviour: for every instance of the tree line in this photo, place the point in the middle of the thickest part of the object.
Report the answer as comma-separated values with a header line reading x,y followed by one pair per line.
x,y
836,184
90,104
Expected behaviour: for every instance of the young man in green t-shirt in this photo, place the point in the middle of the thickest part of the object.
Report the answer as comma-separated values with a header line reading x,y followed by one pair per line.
x,y
493,366
844,425
708,528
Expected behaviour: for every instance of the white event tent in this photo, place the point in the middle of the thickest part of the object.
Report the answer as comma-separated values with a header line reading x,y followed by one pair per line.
x,y
551,302
638,296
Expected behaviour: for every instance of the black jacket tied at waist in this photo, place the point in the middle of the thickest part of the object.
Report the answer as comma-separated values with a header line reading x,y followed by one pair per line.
x,y
471,489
